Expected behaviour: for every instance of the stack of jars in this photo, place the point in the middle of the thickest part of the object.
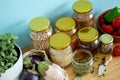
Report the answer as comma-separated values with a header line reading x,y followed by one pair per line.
x,y
71,34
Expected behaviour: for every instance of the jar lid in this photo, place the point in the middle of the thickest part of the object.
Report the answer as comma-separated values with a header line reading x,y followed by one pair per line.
x,y
60,40
65,24
39,24
82,6
87,34
106,38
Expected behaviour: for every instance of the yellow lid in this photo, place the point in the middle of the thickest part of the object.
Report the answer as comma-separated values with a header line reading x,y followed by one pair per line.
x,y
39,24
65,24
82,6
60,40
87,34
106,38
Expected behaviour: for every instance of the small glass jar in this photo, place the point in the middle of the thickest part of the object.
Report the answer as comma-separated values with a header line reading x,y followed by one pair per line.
x,y
60,49
40,32
88,39
82,61
83,14
106,43
67,25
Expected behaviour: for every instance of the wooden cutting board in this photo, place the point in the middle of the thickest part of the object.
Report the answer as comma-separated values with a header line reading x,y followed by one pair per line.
x,y
112,71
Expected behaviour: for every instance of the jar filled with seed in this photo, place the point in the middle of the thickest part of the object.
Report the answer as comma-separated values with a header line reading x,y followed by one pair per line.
x,y
67,25
106,43
88,39
83,14
41,31
60,49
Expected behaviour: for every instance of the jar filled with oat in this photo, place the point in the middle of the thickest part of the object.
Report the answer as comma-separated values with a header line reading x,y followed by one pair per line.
x,y
106,43
60,49
88,39
83,14
67,25
41,31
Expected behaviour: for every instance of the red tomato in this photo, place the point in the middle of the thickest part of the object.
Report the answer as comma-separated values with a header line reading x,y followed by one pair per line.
x,y
107,28
116,22
116,50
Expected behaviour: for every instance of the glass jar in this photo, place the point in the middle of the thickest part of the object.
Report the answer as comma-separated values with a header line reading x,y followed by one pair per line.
x,y
106,43
40,32
83,14
88,39
67,25
82,61
60,49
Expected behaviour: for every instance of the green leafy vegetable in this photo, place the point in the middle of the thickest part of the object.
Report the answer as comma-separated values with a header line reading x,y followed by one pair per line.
x,y
43,67
8,55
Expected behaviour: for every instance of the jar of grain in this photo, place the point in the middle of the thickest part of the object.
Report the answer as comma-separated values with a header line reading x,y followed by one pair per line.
x,y
40,32
67,25
60,49
83,14
88,39
106,43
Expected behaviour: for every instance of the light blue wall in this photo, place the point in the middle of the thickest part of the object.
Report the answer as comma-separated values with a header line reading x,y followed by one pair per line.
x,y
16,14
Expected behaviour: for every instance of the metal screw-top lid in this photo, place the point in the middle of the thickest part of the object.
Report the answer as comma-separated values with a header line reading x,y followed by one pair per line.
x,y
65,24
106,38
82,6
39,24
87,34
60,40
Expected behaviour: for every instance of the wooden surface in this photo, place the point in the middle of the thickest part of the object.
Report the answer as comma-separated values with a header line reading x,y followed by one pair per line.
x,y
112,71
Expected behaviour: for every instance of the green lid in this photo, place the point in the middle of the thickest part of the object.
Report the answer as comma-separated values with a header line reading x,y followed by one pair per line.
x,y
65,24
60,40
106,38
87,34
82,6
39,24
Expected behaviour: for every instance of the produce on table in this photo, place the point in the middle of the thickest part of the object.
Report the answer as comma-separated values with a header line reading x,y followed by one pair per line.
x,y
38,67
51,71
30,71
116,22
116,50
107,28
30,60
112,14
30,75
111,22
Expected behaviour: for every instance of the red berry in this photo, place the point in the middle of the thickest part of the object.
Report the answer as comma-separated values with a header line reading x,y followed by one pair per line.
x,y
116,50
107,28
116,22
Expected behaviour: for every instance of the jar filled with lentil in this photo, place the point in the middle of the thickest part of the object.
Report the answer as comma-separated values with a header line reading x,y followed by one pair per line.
x,y
88,39
82,61
67,25
83,14
41,31
60,49
106,43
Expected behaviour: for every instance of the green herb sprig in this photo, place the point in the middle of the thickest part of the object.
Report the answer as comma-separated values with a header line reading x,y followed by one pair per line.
x,y
8,55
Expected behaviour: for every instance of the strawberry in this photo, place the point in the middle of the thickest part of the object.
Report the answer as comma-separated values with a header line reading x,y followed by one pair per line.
x,y
107,28
116,22
116,50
